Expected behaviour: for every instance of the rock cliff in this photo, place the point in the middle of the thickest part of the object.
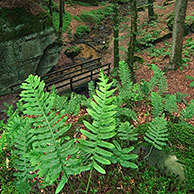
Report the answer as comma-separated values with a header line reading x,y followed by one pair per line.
x,y
29,44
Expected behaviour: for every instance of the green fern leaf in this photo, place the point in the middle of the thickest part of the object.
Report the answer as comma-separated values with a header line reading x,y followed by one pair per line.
x,y
170,103
102,112
157,133
127,112
123,156
50,151
22,145
188,112
126,132
157,105
124,74
158,80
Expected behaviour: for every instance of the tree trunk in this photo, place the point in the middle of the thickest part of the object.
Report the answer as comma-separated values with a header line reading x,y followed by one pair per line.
x,y
50,7
116,33
151,14
178,33
61,11
132,42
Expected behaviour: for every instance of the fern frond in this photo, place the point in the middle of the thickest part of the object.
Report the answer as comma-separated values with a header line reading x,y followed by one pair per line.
x,y
123,156
50,148
102,112
124,74
157,105
181,97
158,80
188,112
144,87
22,138
127,112
91,88
126,132
157,133
3,140
170,103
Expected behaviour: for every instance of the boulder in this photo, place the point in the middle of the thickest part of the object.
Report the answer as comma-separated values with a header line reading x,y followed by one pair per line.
x,y
29,44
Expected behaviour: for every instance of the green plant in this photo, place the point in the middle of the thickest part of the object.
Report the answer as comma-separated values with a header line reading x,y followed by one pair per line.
x,y
102,128
123,156
158,80
50,148
7,185
126,132
22,146
127,92
95,16
77,18
191,78
70,105
72,51
67,17
157,134
182,146
188,112
37,134
157,105
69,34
81,30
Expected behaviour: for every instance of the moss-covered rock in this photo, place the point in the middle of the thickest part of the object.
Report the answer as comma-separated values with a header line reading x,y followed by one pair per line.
x,y
72,51
17,23
29,45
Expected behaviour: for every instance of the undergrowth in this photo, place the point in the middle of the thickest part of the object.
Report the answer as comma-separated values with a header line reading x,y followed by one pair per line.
x,y
95,16
37,146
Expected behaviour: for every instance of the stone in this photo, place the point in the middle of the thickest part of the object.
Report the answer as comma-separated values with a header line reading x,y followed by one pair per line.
x,y
29,44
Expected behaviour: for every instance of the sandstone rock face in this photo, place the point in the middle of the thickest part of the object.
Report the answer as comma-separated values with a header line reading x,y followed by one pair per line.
x,y
28,45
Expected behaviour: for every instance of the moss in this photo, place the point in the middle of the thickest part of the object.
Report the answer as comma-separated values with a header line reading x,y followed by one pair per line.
x,y
81,30
72,51
95,16
7,185
181,139
16,23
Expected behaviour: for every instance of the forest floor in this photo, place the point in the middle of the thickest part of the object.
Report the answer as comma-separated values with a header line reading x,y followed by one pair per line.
x,y
158,54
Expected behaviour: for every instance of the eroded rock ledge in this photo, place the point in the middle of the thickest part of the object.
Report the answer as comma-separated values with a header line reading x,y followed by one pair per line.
x,y
29,44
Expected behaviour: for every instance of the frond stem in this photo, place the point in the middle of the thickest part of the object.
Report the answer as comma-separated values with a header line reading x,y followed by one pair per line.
x,y
148,152
89,179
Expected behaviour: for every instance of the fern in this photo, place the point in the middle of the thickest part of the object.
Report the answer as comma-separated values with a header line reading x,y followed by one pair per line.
x,y
91,88
70,106
144,87
157,105
126,112
50,149
124,74
123,156
158,80
170,103
126,132
188,112
180,97
191,78
157,133
102,128
22,163
3,140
